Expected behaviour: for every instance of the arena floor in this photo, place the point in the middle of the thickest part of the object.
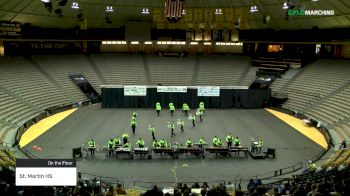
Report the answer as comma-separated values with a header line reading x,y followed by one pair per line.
x,y
101,124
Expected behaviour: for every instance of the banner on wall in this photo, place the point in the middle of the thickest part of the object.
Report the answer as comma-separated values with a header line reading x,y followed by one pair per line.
x,y
171,89
135,90
208,91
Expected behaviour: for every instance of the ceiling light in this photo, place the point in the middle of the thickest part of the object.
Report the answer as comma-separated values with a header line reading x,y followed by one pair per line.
x,y
75,5
218,11
109,9
45,1
285,6
314,0
148,42
183,12
145,11
253,8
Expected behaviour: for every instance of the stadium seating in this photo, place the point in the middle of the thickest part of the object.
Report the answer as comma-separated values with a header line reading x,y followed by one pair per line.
x,y
221,70
119,69
59,68
23,79
171,70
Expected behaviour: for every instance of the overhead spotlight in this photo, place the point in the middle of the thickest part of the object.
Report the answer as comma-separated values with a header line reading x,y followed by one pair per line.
x,y
109,9
75,5
253,8
218,11
183,12
314,0
62,2
58,12
145,11
45,1
285,6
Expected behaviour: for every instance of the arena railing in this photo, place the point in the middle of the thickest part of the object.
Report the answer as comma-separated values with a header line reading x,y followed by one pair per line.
x,y
165,184
103,179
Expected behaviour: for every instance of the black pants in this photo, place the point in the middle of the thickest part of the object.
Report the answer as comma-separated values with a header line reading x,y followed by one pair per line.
x,y
92,151
110,152
200,117
172,112
125,140
229,144
182,128
158,111
153,137
172,132
193,122
185,112
133,127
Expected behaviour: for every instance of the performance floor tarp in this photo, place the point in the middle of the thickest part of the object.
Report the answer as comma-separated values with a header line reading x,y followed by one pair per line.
x,y
101,124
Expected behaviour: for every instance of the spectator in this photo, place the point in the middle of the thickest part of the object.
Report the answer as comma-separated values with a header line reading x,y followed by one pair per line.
x,y
251,186
154,192
111,191
120,190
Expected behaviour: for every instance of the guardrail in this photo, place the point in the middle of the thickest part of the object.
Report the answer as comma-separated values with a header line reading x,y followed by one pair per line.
x,y
162,184
102,179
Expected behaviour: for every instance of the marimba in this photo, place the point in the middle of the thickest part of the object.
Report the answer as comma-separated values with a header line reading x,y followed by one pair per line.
x,y
170,151
238,149
191,150
142,151
123,151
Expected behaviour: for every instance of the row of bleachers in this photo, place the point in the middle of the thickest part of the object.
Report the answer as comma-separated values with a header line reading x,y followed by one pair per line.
x,y
171,70
221,70
59,68
14,111
322,77
299,100
120,69
333,109
22,78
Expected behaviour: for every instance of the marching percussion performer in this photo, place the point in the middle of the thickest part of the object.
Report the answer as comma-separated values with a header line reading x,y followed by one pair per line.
x,y
185,108
158,108
133,125
110,147
140,143
201,106
229,140
92,147
171,108
125,137
189,143
117,141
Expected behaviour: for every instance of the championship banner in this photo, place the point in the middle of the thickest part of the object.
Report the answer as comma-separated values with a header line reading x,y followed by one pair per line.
x,y
208,91
157,14
219,21
188,15
208,17
171,89
135,90
198,15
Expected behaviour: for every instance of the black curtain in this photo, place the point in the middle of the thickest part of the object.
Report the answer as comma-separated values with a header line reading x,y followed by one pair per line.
x,y
252,98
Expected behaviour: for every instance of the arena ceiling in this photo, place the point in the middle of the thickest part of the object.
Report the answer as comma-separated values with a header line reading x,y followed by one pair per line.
x,y
94,11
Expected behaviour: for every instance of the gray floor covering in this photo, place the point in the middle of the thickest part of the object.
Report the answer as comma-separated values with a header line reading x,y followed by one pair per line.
x,y
101,124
